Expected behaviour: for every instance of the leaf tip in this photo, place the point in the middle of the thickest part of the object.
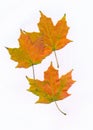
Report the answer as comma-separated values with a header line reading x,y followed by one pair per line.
x,y
21,30
64,16
40,12
28,90
27,77
51,65
7,48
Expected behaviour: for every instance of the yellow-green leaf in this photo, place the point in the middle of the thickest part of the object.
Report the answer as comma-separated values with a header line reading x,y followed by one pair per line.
x,y
52,88
31,50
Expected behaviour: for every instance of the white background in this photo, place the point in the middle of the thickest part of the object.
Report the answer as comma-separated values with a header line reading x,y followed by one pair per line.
x,y
18,110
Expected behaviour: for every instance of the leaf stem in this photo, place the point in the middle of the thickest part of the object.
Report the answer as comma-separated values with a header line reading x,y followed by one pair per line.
x,y
33,71
56,59
60,109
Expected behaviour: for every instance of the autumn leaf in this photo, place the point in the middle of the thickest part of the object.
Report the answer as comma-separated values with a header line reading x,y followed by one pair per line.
x,y
31,50
54,35
52,88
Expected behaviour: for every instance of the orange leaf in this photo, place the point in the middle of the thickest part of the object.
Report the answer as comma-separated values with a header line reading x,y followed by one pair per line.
x,y
52,88
31,50
54,36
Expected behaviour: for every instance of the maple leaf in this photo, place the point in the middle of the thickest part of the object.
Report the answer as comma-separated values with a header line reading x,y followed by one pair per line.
x,y
54,35
31,50
52,88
